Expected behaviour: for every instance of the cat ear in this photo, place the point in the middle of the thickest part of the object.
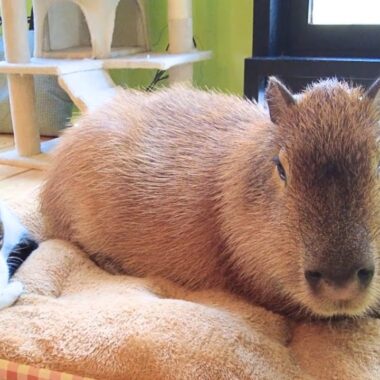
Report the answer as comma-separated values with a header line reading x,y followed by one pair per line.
x,y
373,90
279,99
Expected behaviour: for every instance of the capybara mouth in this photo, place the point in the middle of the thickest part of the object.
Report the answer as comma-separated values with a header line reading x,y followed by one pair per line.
x,y
358,306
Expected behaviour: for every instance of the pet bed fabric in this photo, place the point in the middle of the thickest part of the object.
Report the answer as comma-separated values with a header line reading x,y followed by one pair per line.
x,y
76,318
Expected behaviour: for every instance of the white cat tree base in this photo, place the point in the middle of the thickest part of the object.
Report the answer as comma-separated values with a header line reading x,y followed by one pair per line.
x,y
81,57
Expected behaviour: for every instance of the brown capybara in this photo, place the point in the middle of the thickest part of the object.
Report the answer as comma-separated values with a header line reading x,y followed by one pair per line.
x,y
207,190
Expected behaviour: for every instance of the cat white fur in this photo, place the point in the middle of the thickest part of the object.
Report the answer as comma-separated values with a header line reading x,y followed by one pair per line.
x,y
12,230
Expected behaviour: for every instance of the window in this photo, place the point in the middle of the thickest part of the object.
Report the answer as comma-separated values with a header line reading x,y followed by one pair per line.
x,y
344,12
304,40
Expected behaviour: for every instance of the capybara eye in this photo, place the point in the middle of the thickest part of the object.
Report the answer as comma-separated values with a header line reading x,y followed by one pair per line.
x,y
280,168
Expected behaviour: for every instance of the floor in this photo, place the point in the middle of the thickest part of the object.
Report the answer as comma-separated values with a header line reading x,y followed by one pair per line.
x,y
16,183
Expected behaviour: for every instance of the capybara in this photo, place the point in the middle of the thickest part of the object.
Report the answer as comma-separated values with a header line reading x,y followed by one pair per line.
x,y
210,190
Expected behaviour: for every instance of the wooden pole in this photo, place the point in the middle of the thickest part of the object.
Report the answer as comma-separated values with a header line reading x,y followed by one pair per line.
x,y
21,87
180,25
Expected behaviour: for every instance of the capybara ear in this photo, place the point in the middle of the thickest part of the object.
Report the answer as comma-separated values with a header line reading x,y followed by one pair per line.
x,y
373,89
279,98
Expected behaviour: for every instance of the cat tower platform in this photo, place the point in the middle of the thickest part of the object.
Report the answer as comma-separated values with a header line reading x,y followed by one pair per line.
x,y
93,42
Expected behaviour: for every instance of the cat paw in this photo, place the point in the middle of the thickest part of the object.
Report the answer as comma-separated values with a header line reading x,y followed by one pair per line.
x,y
10,294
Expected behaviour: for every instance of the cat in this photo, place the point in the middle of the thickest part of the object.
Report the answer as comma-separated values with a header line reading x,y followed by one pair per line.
x,y
16,246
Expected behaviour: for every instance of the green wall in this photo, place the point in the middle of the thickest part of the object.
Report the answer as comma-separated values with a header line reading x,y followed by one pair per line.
x,y
223,26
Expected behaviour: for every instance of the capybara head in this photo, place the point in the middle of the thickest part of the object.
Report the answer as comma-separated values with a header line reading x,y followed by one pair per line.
x,y
326,175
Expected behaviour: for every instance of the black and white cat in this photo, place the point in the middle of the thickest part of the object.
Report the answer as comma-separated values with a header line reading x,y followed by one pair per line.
x,y
16,247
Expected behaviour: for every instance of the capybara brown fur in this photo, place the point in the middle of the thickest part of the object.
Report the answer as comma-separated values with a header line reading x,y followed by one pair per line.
x,y
209,190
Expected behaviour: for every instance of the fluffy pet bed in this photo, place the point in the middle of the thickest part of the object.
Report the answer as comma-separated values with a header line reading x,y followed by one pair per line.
x,y
75,317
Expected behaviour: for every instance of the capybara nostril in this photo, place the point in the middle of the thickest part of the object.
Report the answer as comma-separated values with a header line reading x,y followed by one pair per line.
x,y
365,276
313,278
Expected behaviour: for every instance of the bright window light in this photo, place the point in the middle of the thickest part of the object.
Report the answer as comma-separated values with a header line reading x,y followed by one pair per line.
x,y
344,12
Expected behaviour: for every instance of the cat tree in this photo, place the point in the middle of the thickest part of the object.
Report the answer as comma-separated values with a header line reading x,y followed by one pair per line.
x,y
79,41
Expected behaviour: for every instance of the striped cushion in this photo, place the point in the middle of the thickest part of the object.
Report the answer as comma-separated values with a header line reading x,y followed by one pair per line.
x,y
14,371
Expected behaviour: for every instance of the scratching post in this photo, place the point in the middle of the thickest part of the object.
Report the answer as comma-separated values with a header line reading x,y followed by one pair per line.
x,y
61,28
180,25
100,16
21,87
111,34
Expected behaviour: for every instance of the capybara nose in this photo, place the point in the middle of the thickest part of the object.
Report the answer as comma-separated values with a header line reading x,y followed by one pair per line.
x,y
340,278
